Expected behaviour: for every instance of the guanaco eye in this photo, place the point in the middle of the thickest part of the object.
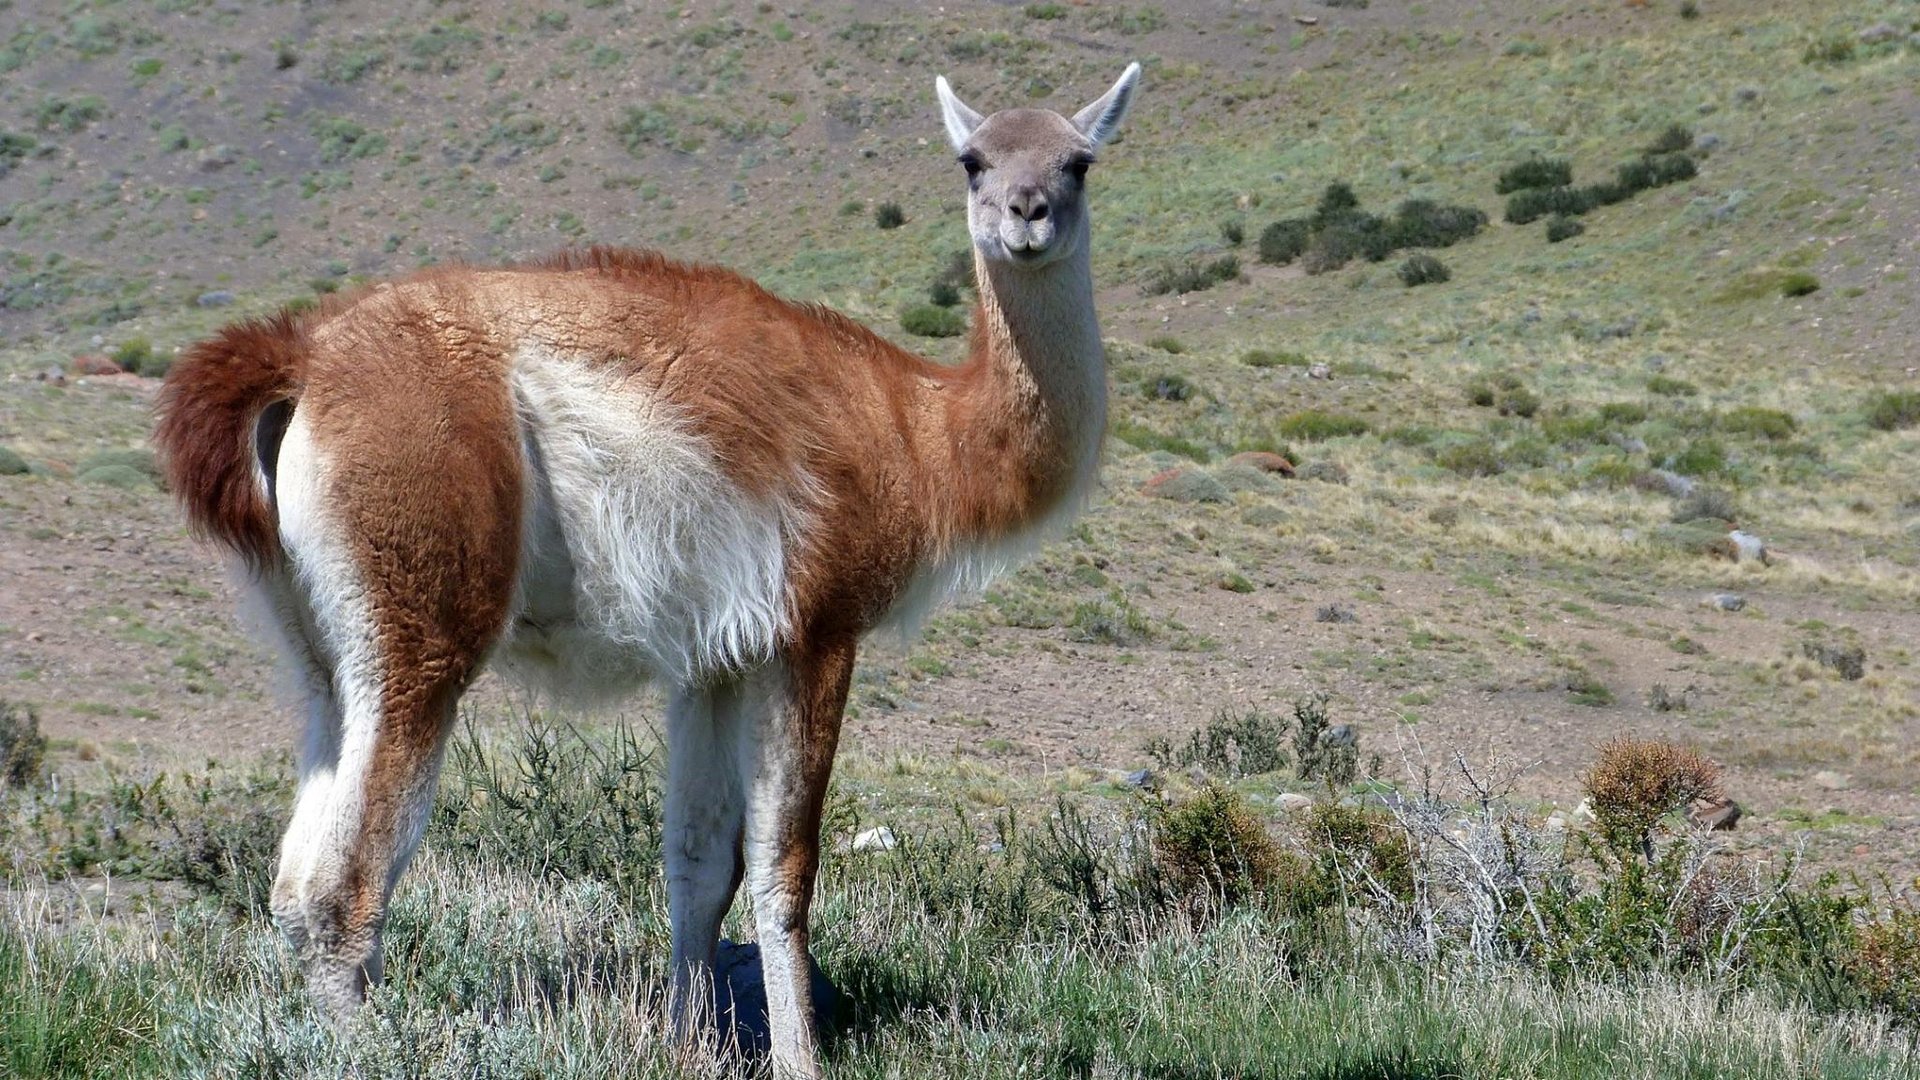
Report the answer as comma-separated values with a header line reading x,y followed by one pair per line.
x,y
1078,167
971,164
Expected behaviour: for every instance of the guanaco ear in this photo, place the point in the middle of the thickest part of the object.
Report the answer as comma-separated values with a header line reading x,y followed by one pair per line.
x,y
960,119
1099,120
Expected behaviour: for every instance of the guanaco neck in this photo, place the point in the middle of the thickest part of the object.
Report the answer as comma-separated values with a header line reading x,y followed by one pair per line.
x,y
1039,411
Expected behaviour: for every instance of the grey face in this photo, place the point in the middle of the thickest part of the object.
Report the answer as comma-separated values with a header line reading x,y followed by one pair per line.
x,y
1026,178
1027,172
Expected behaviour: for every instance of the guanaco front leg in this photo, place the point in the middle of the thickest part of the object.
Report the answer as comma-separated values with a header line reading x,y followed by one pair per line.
x,y
788,760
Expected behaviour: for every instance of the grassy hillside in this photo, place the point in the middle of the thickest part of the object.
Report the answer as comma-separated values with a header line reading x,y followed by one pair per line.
x,y
1507,535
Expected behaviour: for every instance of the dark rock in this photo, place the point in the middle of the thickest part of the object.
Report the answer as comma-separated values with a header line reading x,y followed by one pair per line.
x,y
740,997
51,375
1139,778
1728,601
1707,142
1335,613
217,298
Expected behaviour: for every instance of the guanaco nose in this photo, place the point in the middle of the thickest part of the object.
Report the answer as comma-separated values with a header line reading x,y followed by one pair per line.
x,y
1028,204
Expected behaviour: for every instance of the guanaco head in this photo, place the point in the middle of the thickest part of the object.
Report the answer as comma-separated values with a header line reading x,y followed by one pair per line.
x,y
1027,171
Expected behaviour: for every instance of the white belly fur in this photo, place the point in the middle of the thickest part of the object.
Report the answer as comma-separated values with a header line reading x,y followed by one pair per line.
x,y
641,560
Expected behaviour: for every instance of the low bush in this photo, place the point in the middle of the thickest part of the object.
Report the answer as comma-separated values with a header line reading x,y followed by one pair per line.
x,y
1677,138
1213,851
1172,346
1230,745
1668,386
1168,387
1535,172
1635,782
943,294
1269,358
1894,410
888,215
1706,503
1233,231
1798,283
1423,270
23,749
1564,227
1284,241
1472,457
927,320
1503,391
1191,276
133,354
1314,425
1758,422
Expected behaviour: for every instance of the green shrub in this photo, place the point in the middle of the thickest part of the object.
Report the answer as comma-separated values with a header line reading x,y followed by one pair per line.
x,y
1268,358
1170,345
1314,425
1112,621
1888,963
1424,223
1323,751
1831,50
1798,283
141,461
1144,438
1168,387
1472,457
1894,410
1668,386
1284,241
1335,201
1535,173
1756,421
1676,139
68,115
12,464
1505,392
888,215
1623,413
1230,745
1046,12
1423,270
14,149
1701,457
132,353
943,294
23,749
1531,204
1340,238
1191,276
927,320
1706,503
1233,231
1213,851
1562,227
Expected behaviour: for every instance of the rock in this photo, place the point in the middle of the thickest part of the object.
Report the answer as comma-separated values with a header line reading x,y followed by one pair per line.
x,y
1880,33
1327,472
1264,461
1706,142
1139,778
1828,780
1747,93
1728,601
12,464
1319,371
877,839
1715,815
740,997
1556,822
215,158
1293,802
1184,483
94,364
51,375
1747,547
217,298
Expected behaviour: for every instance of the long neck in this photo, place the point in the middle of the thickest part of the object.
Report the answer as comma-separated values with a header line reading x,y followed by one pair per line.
x,y
1041,390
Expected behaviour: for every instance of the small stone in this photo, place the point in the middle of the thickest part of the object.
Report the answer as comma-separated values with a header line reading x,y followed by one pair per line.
x,y
1293,802
1728,601
1139,778
216,298
1707,142
1319,371
51,375
876,839
1747,93
1265,461
1828,780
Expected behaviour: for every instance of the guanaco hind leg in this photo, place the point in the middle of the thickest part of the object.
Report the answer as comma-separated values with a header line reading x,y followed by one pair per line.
x,y
705,809
392,594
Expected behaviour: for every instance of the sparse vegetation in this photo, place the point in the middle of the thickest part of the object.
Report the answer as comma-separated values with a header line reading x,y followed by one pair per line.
x,y
1191,276
1423,270
929,320
1894,410
1315,425
888,215
1535,173
1564,227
